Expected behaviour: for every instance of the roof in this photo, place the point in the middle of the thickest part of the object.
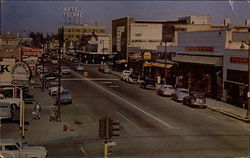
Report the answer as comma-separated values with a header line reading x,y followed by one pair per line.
x,y
8,141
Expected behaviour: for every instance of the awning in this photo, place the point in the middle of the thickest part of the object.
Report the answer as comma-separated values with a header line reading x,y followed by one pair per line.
x,y
162,65
238,83
207,60
121,61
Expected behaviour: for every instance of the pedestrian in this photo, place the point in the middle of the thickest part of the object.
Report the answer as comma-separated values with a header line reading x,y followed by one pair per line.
x,y
53,114
37,111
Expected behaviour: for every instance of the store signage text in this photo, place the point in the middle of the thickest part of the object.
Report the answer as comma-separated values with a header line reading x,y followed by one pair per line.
x,y
31,52
238,60
200,49
4,68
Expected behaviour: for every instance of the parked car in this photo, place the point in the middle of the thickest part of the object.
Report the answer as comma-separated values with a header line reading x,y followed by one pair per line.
x,y
104,69
132,78
50,79
79,67
179,94
65,97
46,74
52,84
195,98
14,102
65,70
53,91
14,148
148,83
40,69
125,74
5,111
165,90
53,61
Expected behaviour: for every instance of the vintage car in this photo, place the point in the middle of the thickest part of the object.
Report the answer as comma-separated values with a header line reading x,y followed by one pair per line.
x,y
14,148
195,98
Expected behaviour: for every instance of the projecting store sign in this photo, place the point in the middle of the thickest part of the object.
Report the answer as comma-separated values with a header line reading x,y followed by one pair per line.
x,y
20,74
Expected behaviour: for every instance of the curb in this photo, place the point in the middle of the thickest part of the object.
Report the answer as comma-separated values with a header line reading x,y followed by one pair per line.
x,y
230,114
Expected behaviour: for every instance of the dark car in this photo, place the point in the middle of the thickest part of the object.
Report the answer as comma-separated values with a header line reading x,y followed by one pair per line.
x,y
148,83
132,78
195,98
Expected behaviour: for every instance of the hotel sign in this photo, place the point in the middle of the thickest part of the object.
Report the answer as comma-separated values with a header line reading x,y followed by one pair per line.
x,y
199,49
238,60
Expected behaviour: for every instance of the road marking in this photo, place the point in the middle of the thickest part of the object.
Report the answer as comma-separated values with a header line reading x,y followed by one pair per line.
x,y
83,151
125,101
113,86
91,120
90,79
128,120
107,82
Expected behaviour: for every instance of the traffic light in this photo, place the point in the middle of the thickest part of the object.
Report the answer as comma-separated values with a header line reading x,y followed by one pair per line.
x,y
114,127
102,128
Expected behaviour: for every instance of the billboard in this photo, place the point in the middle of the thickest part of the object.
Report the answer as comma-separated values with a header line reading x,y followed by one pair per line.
x,y
31,52
6,66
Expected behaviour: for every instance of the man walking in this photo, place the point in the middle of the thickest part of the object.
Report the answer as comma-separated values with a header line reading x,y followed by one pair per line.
x,y
37,111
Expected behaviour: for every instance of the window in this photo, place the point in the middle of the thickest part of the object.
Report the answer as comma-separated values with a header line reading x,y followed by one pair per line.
x,y
11,147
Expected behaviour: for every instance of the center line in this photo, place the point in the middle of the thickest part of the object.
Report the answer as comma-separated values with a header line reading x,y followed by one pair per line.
x,y
128,120
125,101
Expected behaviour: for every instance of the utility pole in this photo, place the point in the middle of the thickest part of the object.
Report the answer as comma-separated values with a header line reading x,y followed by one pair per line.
x,y
58,103
165,56
248,93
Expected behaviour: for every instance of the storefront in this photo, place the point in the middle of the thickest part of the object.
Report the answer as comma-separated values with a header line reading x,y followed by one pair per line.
x,y
236,78
201,73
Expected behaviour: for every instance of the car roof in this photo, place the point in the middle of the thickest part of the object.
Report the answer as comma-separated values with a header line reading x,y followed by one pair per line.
x,y
8,141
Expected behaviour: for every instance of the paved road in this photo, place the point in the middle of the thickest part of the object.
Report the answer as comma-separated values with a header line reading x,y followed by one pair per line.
x,y
151,126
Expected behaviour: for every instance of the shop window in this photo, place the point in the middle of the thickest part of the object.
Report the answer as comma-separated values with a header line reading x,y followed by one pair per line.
x,y
237,76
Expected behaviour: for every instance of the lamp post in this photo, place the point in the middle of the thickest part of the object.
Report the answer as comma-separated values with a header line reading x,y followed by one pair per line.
x,y
248,93
165,57
102,41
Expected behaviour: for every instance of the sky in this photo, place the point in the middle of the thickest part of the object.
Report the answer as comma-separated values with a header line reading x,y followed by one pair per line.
x,y
45,16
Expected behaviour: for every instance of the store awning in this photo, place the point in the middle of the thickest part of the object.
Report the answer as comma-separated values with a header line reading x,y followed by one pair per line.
x,y
238,83
207,60
162,65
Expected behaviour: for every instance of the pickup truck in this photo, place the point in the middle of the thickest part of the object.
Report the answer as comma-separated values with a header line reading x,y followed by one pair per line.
x,y
14,102
11,148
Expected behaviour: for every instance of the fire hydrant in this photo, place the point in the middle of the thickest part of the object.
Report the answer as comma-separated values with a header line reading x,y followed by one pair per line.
x,y
65,128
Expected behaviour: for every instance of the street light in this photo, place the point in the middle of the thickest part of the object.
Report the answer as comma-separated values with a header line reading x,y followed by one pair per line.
x,y
102,41
248,93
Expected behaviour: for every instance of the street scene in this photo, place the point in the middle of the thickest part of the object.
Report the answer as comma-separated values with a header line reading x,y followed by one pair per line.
x,y
79,80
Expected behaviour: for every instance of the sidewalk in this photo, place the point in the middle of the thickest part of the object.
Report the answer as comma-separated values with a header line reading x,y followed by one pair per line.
x,y
42,130
219,106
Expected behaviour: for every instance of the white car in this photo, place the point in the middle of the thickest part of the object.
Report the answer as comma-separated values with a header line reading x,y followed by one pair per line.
x,y
54,61
125,74
53,91
165,90
13,148
14,102
65,70
79,67
5,111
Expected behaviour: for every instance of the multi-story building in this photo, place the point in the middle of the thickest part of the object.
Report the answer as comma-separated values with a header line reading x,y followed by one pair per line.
x,y
96,48
70,34
9,46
